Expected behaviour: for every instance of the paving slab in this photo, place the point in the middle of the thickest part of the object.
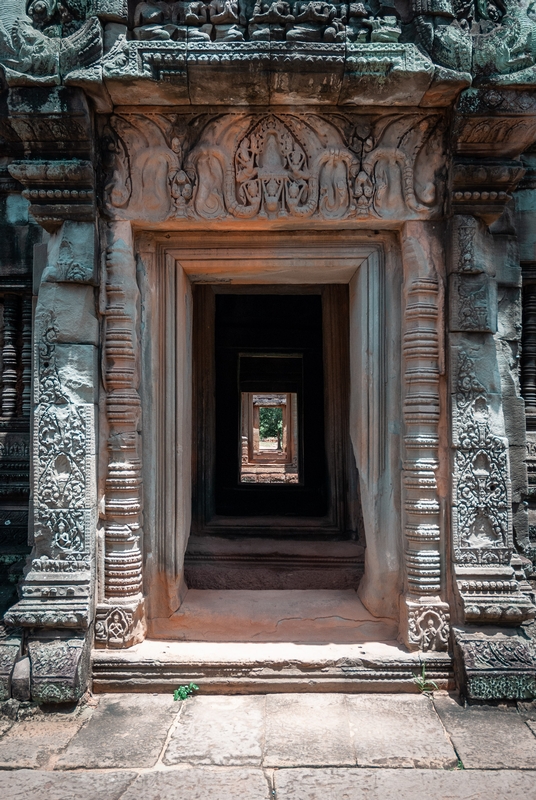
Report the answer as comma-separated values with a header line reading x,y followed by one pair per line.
x,y
398,731
126,730
488,737
33,742
306,729
197,783
402,784
223,731
35,785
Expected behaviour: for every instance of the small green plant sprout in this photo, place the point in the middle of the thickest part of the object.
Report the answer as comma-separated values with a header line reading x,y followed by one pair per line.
x,y
423,684
184,692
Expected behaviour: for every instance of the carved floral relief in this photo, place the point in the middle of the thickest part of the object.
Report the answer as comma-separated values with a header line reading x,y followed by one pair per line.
x,y
272,166
481,477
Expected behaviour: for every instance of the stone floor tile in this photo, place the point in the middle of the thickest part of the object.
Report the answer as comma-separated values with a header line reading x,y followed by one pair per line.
x,y
225,731
207,783
29,784
126,730
403,784
398,731
33,742
532,725
307,730
487,737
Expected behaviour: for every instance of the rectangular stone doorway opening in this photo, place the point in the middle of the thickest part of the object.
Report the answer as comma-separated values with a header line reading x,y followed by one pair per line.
x,y
266,563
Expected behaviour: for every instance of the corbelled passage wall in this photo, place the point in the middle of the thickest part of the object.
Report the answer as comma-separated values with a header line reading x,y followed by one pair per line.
x,y
129,131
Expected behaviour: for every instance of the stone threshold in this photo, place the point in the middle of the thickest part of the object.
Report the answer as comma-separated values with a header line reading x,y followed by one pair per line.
x,y
267,667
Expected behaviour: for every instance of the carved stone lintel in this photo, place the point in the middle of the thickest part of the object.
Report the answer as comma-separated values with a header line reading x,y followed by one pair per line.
x,y
495,665
272,168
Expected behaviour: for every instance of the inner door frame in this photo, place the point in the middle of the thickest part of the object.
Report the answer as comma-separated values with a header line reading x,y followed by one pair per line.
x,y
168,265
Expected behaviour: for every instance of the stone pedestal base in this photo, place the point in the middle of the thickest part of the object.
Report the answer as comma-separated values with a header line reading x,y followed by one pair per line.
x,y
498,664
59,664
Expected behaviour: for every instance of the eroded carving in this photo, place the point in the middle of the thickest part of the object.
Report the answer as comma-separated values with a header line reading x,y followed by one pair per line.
x,y
481,476
272,167
429,627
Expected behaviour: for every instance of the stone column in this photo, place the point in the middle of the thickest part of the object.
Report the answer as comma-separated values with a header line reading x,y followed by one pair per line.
x,y
57,591
424,612
489,590
120,612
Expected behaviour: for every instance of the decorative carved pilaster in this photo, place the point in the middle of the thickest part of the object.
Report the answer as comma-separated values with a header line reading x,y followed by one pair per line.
x,y
120,618
482,528
425,614
9,355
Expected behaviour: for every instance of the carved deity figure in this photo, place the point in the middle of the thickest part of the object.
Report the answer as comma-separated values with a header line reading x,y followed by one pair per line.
x,y
229,23
57,17
192,18
270,20
315,21
153,21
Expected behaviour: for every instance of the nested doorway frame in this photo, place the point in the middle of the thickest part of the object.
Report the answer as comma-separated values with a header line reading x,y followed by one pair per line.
x,y
168,265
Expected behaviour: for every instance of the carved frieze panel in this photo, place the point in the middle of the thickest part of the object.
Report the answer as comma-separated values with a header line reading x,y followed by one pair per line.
x,y
473,303
482,533
273,167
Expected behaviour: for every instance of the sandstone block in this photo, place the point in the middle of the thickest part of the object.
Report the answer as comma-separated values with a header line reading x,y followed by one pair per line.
x,y
395,784
72,308
27,784
223,731
398,731
126,730
307,729
201,784
486,737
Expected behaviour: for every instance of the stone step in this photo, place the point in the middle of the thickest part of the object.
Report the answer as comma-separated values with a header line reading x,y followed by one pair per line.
x,y
302,616
267,667
238,562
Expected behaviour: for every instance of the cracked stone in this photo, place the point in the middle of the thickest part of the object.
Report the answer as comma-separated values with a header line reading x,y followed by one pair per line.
x,y
125,730
222,731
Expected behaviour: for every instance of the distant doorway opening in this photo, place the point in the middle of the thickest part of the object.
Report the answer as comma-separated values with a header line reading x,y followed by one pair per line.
x,y
272,449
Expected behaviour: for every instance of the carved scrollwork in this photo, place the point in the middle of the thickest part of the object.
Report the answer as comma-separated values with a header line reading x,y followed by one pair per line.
x,y
481,464
269,167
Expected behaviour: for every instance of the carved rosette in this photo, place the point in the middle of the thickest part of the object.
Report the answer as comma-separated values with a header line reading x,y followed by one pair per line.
x,y
426,616
120,617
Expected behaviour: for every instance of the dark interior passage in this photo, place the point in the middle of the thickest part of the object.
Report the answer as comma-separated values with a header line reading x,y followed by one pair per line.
x,y
269,343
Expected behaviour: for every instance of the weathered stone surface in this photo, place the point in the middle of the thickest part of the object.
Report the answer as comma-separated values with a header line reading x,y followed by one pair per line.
x,y
223,731
486,737
72,308
274,616
310,730
10,648
379,784
398,731
202,784
20,681
124,731
34,741
59,667
30,785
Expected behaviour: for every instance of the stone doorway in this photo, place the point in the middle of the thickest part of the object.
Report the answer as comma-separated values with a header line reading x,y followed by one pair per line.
x,y
181,284
256,345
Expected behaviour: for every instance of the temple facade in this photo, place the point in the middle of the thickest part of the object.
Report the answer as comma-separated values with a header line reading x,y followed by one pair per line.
x,y
268,332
